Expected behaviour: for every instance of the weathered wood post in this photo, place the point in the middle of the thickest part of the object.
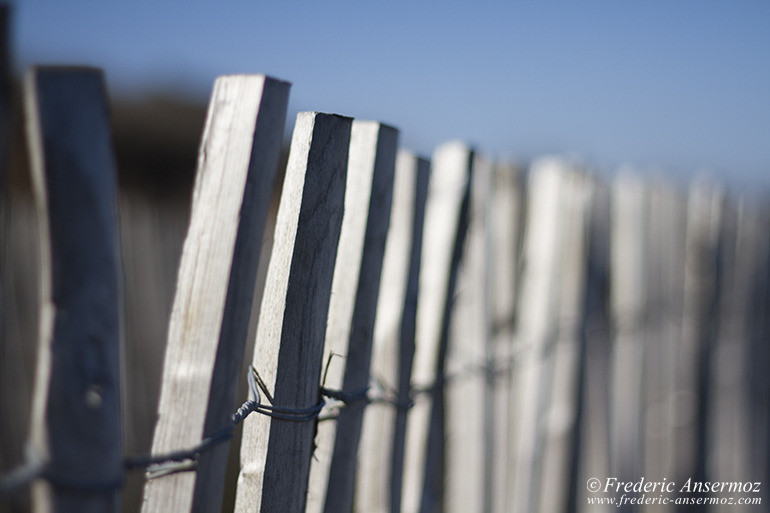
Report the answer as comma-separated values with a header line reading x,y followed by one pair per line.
x,y
276,453
468,363
665,291
537,308
704,212
505,228
76,418
380,468
592,437
209,320
628,306
446,220
561,383
352,310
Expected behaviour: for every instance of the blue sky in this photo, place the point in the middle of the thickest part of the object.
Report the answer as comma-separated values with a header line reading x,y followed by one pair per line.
x,y
676,86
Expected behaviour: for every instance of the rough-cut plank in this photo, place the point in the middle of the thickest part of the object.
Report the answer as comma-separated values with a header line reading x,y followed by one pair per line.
x,y
378,480
505,229
445,225
276,454
536,308
704,213
209,320
561,381
468,390
704,207
628,303
76,412
593,457
665,287
352,310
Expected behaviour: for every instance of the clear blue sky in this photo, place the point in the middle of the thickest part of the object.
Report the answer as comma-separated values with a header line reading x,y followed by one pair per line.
x,y
680,85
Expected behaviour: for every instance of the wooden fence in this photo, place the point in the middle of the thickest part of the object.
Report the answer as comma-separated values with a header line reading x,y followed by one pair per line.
x,y
443,334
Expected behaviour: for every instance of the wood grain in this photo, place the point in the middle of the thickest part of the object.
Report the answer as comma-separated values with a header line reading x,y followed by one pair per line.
x,y
276,454
350,328
209,319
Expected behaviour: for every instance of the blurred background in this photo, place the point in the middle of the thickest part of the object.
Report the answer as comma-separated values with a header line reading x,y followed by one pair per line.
x,y
672,87
670,90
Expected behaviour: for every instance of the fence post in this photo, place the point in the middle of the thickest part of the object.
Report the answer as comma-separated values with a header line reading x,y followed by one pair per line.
x,y
276,453
446,218
468,371
505,228
628,306
76,422
384,425
212,303
704,213
536,321
592,436
665,288
561,385
352,310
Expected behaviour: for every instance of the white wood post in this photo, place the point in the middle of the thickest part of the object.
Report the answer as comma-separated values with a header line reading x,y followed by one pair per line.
x,y
352,310
445,225
665,289
593,457
704,213
536,322
629,310
276,453
468,389
380,466
209,319
561,386
505,219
